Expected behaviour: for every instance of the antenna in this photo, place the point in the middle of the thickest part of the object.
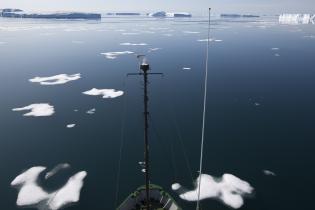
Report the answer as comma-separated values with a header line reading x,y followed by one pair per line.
x,y
204,112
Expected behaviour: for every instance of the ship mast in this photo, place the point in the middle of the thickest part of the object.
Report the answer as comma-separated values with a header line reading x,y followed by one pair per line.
x,y
144,68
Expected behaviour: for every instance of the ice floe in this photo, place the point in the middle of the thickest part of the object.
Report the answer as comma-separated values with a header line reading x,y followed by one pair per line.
x,y
275,48
37,110
31,194
210,40
133,44
56,80
229,189
269,173
154,49
71,125
186,68
91,111
106,93
56,169
114,55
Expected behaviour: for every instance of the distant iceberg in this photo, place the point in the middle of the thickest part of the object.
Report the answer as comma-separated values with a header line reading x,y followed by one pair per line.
x,y
169,14
294,19
17,13
157,14
239,16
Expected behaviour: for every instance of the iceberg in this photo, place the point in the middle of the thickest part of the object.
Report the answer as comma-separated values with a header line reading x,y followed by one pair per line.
x,y
157,14
178,14
295,19
17,13
238,16
169,14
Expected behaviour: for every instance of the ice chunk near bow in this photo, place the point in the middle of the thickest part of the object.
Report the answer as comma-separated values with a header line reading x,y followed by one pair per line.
x,y
31,194
37,110
56,80
106,93
229,189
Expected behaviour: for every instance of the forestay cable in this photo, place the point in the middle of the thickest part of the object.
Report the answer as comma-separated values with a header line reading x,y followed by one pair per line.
x,y
204,114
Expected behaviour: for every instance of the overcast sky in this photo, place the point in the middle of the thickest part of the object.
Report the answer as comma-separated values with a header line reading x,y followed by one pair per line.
x,y
241,6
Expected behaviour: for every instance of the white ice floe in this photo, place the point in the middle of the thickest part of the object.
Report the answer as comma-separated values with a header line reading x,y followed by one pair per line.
x,y
133,44
229,189
210,40
186,68
257,104
71,125
55,170
167,34
269,173
37,110
106,93
91,111
154,49
191,32
176,186
277,54
275,48
114,55
31,194
310,36
56,80
294,19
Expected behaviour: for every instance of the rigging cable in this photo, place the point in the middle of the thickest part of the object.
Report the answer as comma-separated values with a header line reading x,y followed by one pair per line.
x,y
122,138
204,113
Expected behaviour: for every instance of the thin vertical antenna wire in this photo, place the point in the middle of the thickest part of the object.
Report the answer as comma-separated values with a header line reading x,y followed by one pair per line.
x,y
121,146
204,113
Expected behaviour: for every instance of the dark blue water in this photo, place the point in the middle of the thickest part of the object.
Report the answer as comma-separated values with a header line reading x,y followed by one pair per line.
x,y
260,112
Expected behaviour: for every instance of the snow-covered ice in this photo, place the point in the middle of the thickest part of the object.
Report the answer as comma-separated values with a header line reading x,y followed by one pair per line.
x,y
114,55
37,110
269,173
154,49
56,80
56,169
31,194
229,189
186,68
210,40
91,111
71,125
106,93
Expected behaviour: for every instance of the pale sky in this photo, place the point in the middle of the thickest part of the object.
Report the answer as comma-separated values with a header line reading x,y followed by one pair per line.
x,y
197,6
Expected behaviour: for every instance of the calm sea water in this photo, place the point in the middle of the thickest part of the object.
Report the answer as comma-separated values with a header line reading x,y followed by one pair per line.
x,y
260,113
